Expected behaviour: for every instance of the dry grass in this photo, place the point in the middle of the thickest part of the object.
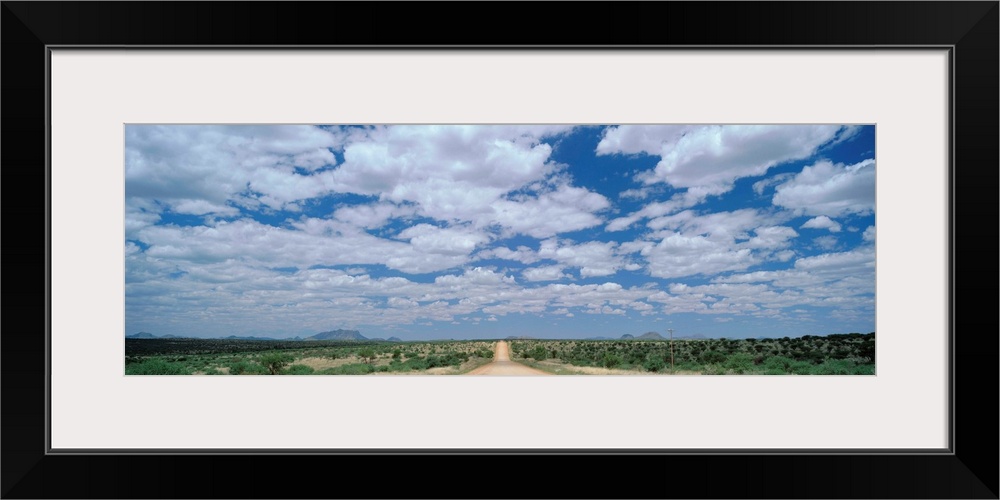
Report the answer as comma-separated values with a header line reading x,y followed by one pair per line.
x,y
465,367
324,363
560,367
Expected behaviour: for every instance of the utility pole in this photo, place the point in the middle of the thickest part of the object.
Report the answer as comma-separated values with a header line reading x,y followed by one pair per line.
x,y
671,330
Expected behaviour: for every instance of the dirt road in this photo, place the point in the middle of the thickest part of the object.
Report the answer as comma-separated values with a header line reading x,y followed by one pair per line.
x,y
502,365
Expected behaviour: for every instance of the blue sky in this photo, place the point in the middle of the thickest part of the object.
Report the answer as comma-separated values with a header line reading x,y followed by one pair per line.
x,y
485,231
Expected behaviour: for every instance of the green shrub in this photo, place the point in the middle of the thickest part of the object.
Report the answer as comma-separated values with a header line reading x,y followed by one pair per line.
x,y
275,361
864,370
739,363
244,367
834,367
813,357
416,363
299,370
635,357
778,365
654,364
867,349
156,366
611,360
710,357
801,368
367,354
714,369
357,369
687,366
538,353
351,369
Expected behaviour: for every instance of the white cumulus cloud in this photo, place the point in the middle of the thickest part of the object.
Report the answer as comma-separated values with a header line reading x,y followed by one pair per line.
x,y
593,258
199,167
521,254
634,139
708,159
562,209
822,222
484,175
443,241
544,273
830,189
688,243
677,255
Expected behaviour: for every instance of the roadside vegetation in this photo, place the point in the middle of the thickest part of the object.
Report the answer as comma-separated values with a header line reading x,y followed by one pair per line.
x,y
256,357
840,354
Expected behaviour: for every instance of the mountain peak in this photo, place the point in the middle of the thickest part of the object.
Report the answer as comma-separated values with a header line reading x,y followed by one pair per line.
x,y
339,334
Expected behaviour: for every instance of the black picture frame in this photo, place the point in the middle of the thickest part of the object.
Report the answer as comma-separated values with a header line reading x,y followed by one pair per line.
x,y
968,470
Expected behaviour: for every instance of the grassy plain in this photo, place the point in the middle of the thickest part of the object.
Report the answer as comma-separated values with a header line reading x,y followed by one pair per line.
x,y
252,357
842,354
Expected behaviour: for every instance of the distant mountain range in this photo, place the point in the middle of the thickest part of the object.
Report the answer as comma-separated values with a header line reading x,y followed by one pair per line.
x,y
338,335
237,337
645,336
380,339
147,335
628,336
696,336
331,335
355,335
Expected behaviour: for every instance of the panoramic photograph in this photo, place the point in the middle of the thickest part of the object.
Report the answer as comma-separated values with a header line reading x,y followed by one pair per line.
x,y
533,250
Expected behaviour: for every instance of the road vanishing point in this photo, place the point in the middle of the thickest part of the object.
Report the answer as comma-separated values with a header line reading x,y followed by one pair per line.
x,y
502,365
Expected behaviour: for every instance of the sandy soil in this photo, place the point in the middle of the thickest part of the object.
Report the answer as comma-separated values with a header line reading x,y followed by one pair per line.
x,y
324,363
562,368
596,370
437,370
502,365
